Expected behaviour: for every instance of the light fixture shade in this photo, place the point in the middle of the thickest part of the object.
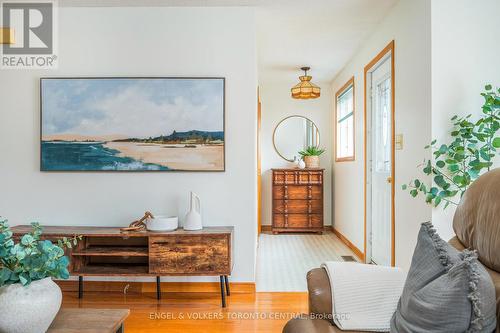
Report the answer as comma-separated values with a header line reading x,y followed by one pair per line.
x,y
7,36
305,89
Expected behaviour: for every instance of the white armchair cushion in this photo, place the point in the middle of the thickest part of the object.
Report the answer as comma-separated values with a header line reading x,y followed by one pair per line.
x,y
364,297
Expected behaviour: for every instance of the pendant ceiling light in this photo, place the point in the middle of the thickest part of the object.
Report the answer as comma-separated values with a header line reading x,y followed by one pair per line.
x,y
305,89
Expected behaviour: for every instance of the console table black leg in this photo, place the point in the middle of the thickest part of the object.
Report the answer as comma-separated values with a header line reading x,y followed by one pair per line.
x,y
222,291
80,286
158,288
226,281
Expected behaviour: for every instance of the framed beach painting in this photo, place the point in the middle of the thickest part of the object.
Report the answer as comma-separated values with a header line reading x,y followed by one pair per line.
x,y
132,124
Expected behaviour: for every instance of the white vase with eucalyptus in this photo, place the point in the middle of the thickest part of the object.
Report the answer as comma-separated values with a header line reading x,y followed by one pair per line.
x,y
29,299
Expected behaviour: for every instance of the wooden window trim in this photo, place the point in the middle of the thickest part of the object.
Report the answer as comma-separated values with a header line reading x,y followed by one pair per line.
x,y
343,89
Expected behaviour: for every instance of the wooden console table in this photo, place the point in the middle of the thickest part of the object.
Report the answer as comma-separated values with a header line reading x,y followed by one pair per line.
x,y
106,251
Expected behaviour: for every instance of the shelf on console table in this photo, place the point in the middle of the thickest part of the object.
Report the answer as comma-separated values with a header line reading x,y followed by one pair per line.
x,y
106,251
113,269
114,251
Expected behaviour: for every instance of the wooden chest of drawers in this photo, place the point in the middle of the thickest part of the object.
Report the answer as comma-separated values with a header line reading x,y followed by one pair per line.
x,y
297,200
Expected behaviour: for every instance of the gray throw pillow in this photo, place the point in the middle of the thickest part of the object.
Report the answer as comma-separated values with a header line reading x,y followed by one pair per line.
x,y
445,290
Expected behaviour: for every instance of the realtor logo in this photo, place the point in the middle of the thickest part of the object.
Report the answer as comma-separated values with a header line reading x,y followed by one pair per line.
x,y
33,24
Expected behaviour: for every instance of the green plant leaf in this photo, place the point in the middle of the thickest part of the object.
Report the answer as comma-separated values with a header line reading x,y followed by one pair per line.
x,y
27,239
24,278
440,164
470,153
434,190
473,174
439,180
4,275
404,187
428,168
458,179
31,258
485,155
311,151
496,142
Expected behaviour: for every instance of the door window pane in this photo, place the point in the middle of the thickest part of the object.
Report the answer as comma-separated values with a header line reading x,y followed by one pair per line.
x,y
345,124
383,126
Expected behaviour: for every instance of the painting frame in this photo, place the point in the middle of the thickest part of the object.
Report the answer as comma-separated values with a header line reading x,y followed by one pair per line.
x,y
41,114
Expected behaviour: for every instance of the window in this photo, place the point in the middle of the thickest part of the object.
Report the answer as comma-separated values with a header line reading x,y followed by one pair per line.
x,y
344,122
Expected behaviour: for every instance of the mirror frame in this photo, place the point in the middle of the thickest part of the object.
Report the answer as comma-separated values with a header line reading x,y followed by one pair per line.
x,y
282,120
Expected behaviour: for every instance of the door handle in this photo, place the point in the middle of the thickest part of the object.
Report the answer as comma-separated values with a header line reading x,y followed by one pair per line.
x,y
389,180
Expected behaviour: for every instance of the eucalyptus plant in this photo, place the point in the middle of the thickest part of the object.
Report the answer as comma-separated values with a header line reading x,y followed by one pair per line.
x,y
311,151
31,258
470,153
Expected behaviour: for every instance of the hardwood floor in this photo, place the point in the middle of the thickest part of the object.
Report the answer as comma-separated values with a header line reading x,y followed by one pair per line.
x,y
197,312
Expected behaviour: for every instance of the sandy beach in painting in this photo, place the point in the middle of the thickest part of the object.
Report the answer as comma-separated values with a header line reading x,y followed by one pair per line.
x,y
201,157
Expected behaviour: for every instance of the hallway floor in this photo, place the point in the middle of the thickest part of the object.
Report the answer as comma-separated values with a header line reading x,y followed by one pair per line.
x,y
283,260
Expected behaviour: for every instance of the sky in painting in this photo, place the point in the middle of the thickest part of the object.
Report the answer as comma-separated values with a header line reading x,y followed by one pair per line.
x,y
131,107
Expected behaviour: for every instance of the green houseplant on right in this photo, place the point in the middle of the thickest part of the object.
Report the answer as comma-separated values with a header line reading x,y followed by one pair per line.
x,y
310,155
29,299
458,163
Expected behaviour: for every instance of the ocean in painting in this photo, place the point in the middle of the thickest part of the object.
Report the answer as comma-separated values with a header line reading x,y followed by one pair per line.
x,y
71,156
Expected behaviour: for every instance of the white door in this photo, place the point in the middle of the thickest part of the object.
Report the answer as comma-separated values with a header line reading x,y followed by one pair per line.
x,y
380,164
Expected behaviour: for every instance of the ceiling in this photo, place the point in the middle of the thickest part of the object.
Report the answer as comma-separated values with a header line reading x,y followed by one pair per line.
x,y
322,34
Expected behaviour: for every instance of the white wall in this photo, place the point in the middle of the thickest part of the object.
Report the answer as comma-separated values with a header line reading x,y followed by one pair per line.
x,y
465,57
139,42
277,104
408,24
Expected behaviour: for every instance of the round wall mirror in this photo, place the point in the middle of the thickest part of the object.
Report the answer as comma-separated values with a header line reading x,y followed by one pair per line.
x,y
293,134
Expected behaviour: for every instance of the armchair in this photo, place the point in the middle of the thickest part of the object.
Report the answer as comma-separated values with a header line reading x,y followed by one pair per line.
x,y
477,226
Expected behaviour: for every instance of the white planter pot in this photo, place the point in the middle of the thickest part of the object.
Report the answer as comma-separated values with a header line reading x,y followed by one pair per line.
x,y
29,309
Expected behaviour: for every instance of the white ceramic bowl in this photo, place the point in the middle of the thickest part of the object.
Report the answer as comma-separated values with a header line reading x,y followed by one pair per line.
x,y
162,223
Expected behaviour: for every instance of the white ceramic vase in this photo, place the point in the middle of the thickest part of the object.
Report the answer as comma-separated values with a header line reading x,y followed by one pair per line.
x,y
193,217
29,309
301,164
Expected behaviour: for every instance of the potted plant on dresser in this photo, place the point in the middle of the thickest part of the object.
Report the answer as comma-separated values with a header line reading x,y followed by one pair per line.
x,y
310,155
29,299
